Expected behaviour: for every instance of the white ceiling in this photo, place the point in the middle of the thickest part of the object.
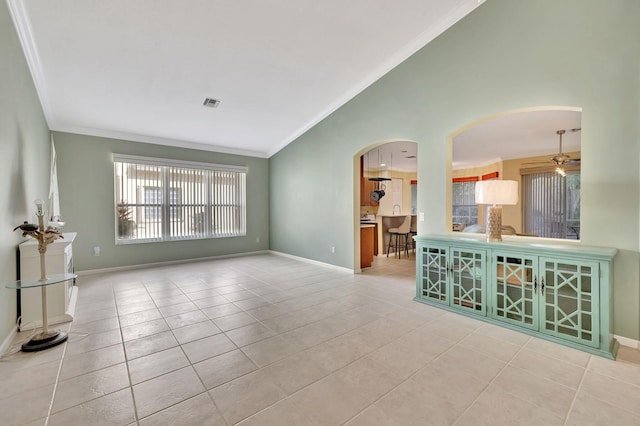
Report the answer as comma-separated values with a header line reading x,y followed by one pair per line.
x,y
518,135
140,70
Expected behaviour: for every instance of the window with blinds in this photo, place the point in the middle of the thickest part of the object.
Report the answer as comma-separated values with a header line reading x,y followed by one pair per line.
x,y
551,204
464,207
165,200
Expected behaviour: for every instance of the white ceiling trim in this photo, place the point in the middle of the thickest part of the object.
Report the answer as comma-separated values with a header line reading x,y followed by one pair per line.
x,y
25,35
159,141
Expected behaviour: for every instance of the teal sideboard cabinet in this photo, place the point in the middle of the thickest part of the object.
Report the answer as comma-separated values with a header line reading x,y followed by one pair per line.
x,y
553,289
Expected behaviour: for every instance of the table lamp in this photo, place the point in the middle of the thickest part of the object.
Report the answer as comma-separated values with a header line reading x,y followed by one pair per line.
x,y
496,193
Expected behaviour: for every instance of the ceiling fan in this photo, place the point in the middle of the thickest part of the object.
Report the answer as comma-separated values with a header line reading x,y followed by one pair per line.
x,y
561,159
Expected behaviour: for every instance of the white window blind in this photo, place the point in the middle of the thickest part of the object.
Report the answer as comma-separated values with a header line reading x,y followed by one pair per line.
x,y
551,204
464,207
165,200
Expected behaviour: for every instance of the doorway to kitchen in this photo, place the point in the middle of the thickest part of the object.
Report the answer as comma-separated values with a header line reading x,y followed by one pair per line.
x,y
385,197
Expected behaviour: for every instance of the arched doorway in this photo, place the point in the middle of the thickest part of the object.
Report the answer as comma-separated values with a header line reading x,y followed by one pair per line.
x,y
385,192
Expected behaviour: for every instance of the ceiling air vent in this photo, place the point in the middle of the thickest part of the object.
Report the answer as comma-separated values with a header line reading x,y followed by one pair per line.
x,y
211,103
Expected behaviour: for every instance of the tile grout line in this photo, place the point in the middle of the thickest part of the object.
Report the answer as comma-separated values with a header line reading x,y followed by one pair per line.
x,y
507,364
575,397
55,385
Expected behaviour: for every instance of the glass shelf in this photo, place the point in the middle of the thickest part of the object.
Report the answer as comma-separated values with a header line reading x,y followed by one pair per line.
x,y
36,282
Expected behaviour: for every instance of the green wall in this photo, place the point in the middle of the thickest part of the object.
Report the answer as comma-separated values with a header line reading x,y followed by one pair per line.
x,y
85,179
24,159
506,55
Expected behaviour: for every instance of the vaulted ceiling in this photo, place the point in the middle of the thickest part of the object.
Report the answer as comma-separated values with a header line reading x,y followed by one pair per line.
x,y
140,70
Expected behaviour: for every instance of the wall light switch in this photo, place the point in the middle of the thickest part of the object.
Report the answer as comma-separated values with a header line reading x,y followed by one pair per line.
x,y
421,217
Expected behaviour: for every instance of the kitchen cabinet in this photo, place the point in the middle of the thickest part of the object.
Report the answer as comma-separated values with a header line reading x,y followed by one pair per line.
x,y
366,186
366,245
556,290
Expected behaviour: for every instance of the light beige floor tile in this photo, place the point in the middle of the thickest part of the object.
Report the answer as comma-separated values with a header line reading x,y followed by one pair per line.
x,y
245,396
296,371
223,368
270,350
199,410
284,412
90,386
208,347
473,364
221,310
554,369
209,302
251,303
86,362
495,407
560,352
79,344
588,410
239,295
164,391
503,334
615,392
24,379
14,407
249,334
150,344
373,416
624,371
156,364
95,326
139,317
180,308
144,329
342,395
112,409
410,353
188,318
196,331
229,322
170,300
536,390
131,308
489,346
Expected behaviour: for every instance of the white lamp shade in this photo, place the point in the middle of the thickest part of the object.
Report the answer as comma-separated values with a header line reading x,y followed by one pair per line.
x,y
500,192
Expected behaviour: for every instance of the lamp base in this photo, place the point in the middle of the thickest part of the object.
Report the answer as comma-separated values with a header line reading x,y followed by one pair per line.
x,y
45,340
494,224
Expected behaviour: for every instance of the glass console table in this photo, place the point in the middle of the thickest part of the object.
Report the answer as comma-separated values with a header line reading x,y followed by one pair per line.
x,y
47,338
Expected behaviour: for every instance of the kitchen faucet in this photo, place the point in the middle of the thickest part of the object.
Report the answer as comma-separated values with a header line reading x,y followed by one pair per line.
x,y
399,209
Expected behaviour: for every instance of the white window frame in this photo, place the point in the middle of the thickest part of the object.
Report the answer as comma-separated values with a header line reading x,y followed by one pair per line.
x,y
224,190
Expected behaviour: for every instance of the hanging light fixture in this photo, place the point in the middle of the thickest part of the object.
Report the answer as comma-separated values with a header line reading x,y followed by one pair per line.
x,y
377,194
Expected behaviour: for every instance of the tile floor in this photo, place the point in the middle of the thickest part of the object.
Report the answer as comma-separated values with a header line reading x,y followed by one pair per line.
x,y
269,340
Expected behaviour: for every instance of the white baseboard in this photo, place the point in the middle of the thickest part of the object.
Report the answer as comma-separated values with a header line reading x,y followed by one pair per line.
x,y
625,341
6,343
169,262
315,262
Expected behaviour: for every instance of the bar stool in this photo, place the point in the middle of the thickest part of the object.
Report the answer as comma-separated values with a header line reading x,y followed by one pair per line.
x,y
412,232
400,232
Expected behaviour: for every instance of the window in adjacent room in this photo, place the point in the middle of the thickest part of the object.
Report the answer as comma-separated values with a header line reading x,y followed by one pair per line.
x,y
551,204
166,200
465,209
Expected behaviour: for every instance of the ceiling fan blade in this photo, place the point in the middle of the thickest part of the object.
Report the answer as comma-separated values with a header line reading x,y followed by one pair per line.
x,y
573,161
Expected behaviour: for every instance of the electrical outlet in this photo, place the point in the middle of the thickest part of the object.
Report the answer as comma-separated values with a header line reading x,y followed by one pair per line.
x,y
96,250
333,249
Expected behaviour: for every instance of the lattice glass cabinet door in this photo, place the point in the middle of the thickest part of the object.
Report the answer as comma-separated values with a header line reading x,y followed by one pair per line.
x,y
515,289
467,279
434,274
570,300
